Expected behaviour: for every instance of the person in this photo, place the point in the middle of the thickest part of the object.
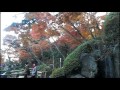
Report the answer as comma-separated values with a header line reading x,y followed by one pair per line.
x,y
34,71
27,71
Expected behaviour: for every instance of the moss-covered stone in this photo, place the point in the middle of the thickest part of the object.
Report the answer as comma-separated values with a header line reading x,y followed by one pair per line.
x,y
72,60
89,65
76,76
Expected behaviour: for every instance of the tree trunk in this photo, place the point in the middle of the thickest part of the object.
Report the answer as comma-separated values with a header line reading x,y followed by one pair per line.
x,y
91,33
41,52
31,53
52,54
77,30
71,35
58,48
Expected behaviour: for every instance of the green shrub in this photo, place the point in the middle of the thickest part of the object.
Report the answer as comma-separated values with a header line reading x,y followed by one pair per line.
x,y
42,67
71,66
83,48
57,73
72,63
72,60
46,68
111,25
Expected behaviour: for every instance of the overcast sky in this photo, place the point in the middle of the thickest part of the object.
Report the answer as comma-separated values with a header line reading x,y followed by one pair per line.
x,y
7,18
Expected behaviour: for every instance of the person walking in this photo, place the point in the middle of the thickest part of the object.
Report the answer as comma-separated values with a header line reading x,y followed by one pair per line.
x,y
27,71
34,71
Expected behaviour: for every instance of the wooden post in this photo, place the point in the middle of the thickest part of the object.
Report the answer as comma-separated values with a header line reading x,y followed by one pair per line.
x,y
45,74
60,62
53,64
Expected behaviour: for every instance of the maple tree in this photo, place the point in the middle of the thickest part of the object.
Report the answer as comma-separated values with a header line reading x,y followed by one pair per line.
x,y
65,29
49,31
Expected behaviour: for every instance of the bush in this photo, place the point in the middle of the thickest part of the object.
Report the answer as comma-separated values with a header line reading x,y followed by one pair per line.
x,y
42,67
72,65
59,72
72,60
111,24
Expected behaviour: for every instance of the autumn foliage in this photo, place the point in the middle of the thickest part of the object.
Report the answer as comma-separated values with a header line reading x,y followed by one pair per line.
x,y
64,28
23,54
38,30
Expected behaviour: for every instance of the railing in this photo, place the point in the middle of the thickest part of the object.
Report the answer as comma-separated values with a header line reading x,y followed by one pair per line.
x,y
20,74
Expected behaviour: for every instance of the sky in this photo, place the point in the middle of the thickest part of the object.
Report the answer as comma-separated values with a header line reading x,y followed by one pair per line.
x,y
7,18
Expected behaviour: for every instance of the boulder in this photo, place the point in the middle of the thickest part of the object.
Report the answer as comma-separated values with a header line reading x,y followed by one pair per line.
x,y
116,55
88,65
77,76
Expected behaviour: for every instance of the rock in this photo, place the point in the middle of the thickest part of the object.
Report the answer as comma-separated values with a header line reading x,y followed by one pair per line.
x,y
108,64
106,67
21,77
116,53
88,65
96,53
77,76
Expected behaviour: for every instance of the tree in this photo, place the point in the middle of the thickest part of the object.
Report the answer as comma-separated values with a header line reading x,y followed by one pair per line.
x,y
66,30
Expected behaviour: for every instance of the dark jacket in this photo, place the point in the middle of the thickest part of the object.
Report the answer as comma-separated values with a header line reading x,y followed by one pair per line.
x,y
27,71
